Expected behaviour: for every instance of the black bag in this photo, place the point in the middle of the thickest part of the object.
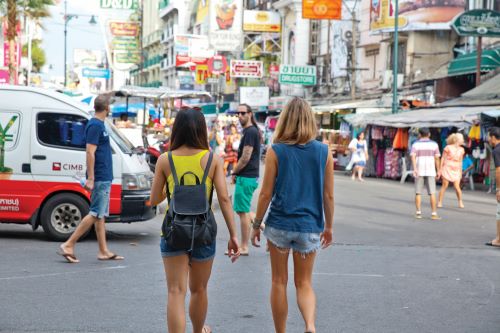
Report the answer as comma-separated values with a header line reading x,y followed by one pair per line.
x,y
189,222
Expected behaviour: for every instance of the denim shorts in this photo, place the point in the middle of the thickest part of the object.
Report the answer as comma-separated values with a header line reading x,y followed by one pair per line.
x,y
99,199
301,242
203,253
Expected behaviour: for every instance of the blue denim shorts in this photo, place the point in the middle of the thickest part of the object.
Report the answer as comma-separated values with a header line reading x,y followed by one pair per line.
x,y
203,253
301,242
99,199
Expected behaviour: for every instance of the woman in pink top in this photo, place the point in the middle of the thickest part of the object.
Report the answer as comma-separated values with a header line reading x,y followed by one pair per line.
x,y
451,167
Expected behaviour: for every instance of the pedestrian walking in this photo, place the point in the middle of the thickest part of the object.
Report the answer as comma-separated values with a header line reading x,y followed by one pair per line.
x,y
359,156
231,148
451,167
99,178
300,215
246,172
494,140
426,167
190,161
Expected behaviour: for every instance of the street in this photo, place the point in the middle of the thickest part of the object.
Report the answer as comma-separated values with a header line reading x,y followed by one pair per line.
x,y
386,273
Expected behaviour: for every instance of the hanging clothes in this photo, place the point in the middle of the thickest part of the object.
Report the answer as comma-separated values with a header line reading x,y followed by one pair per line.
x,y
475,133
401,139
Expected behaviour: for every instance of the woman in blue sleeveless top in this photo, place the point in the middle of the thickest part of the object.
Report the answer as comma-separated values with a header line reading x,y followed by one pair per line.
x,y
298,185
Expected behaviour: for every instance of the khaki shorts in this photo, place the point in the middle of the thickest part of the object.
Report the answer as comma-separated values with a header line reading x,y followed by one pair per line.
x,y
430,183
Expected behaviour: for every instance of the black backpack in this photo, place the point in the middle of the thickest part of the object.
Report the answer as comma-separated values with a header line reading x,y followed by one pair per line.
x,y
189,222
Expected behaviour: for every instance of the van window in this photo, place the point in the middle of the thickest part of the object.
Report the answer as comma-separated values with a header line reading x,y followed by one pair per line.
x,y
123,143
61,130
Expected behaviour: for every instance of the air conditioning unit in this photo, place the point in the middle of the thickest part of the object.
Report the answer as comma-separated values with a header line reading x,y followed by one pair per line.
x,y
387,80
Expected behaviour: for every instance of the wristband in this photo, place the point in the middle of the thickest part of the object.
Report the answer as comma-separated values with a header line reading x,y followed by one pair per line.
x,y
256,223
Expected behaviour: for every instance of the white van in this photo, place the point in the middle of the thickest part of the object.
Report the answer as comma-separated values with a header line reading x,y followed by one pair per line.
x,y
42,155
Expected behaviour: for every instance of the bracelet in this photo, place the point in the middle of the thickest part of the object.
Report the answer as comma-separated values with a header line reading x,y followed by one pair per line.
x,y
256,223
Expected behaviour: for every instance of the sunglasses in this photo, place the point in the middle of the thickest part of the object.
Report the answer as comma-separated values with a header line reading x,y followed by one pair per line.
x,y
241,113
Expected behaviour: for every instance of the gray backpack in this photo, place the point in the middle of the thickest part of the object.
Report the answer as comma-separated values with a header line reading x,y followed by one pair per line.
x,y
189,222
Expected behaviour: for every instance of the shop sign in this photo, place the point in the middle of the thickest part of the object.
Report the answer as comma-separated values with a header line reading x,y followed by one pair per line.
x,y
246,68
254,96
303,75
96,73
181,60
120,4
261,21
123,28
479,22
201,74
125,43
217,65
127,57
414,15
226,20
322,9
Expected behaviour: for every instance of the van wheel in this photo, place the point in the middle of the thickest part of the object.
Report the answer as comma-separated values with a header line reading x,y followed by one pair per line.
x,y
61,214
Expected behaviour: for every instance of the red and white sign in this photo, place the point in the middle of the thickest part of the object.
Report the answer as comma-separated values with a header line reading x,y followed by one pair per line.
x,y
124,29
247,68
56,166
4,76
217,65
191,62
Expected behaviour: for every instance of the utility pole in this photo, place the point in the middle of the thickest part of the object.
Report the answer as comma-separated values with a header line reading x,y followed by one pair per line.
x,y
353,55
395,48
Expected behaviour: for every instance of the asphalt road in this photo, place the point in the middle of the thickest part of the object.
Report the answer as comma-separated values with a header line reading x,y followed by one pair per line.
x,y
387,273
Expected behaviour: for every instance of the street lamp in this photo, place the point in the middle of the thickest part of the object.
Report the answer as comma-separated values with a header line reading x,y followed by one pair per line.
x,y
395,103
67,18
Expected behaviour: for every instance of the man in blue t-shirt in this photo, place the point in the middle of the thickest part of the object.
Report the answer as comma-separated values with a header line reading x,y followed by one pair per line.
x,y
99,178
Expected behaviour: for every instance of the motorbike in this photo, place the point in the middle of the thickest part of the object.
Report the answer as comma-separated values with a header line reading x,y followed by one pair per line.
x,y
153,152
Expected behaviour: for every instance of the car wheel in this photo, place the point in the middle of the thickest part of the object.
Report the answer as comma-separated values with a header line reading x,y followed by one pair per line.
x,y
61,214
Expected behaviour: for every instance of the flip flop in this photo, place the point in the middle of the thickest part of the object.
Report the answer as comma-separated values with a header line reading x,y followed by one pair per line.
x,y
491,244
207,329
114,256
68,256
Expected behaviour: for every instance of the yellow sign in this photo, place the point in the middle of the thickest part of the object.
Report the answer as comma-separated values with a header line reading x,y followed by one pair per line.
x,y
322,9
202,11
381,18
262,21
201,74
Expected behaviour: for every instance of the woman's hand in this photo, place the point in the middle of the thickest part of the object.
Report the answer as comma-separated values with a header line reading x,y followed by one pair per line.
x,y
326,238
255,237
233,249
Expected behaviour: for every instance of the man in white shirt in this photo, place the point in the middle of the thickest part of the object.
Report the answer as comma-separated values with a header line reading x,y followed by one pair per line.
x,y
426,168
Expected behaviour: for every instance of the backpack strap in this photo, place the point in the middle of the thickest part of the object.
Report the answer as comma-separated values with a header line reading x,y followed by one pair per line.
x,y
172,168
207,167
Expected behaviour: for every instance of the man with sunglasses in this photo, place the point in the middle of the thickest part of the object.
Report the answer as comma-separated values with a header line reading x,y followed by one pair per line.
x,y
246,172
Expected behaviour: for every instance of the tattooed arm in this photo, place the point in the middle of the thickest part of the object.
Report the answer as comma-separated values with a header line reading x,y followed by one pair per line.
x,y
245,158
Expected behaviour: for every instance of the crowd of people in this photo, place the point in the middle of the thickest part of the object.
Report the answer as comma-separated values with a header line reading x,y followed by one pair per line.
x,y
299,218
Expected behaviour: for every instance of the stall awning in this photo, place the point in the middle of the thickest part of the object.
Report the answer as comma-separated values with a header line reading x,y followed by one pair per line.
x,y
466,63
361,106
432,117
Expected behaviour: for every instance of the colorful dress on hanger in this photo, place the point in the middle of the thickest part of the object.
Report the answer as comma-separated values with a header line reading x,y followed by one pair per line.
x,y
452,163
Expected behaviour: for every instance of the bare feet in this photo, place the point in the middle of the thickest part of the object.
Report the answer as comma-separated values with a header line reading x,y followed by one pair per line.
x,y
440,205
461,205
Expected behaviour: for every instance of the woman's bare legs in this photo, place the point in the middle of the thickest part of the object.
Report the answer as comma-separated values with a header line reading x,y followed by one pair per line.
x,y
458,191
279,271
176,272
199,274
306,299
444,186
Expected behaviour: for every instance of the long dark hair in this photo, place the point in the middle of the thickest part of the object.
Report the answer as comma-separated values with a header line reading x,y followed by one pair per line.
x,y
252,118
189,129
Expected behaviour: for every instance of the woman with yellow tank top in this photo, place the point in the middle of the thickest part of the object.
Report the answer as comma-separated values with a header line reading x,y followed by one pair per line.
x,y
190,152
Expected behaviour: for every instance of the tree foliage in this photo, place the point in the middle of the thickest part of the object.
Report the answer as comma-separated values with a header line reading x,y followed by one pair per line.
x,y
37,55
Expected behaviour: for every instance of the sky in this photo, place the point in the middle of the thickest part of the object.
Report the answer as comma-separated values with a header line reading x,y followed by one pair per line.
x,y
81,34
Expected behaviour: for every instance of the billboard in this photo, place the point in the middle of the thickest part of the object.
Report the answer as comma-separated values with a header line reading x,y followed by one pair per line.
x,y
261,21
226,19
247,68
254,96
322,9
414,15
342,41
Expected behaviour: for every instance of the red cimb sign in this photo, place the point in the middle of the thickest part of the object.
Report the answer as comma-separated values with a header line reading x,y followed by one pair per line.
x,y
247,68
217,65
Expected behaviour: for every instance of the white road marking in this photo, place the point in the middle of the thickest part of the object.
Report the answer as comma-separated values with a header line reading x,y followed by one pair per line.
x,y
60,273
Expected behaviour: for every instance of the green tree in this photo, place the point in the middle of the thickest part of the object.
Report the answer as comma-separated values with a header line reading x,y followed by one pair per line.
x,y
37,55
30,9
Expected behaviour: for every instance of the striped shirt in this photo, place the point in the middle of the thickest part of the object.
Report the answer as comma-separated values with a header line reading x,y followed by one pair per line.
x,y
425,151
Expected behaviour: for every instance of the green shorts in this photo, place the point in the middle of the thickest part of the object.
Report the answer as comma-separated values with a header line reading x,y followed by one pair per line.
x,y
243,193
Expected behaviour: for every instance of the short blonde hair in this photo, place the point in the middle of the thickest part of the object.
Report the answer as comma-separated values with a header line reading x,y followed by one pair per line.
x,y
297,124
454,138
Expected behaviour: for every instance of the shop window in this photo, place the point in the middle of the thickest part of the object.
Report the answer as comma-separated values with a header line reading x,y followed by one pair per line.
x,y
61,130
